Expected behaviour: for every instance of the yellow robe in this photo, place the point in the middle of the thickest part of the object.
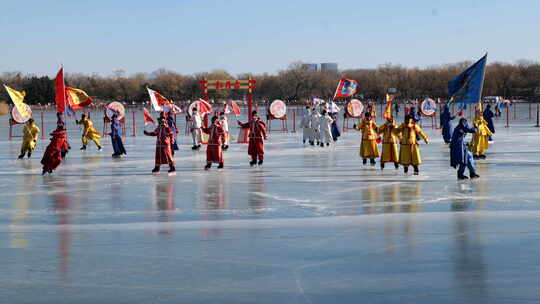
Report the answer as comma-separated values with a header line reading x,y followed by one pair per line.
x,y
368,147
390,143
409,152
89,132
479,143
30,135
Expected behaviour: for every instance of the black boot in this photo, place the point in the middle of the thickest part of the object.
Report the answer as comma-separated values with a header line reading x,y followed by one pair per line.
x,y
83,147
260,162
322,144
483,156
156,169
99,148
29,154
475,157
416,171
172,169
396,165
327,144
220,166
208,166
20,156
405,169
364,161
311,143
462,176
372,161
226,147
252,163
194,147
382,166
474,175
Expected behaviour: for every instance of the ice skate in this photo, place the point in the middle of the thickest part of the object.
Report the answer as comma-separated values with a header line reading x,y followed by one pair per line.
x,y
208,166
155,171
220,166
172,171
260,162
462,176
252,163
474,176
83,148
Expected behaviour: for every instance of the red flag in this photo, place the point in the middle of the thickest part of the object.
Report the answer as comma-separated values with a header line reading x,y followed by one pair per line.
x,y
346,88
60,91
203,107
235,108
147,118
158,100
388,110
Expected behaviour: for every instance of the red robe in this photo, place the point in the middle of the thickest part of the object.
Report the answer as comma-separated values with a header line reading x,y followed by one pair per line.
x,y
165,137
53,154
216,136
257,132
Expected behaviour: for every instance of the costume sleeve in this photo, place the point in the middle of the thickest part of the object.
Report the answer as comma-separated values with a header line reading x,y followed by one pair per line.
x,y
153,133
243,124
421,133
205,130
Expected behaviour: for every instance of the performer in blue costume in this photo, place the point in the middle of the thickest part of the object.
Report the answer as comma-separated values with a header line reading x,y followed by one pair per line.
x,y
116,137
460,156
488,117
446,124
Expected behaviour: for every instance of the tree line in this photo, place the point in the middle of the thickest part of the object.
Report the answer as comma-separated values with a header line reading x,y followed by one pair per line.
x,y
518,80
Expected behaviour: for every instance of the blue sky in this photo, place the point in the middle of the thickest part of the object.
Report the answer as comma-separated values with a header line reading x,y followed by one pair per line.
x,y
99,36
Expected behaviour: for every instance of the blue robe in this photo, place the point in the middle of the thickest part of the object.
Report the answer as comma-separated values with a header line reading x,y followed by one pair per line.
x,y
172,125
116,138
458,148
334,129
446,125
488,117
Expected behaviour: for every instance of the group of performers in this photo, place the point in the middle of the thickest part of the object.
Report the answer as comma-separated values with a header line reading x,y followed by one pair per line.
x,y
406,134
319,126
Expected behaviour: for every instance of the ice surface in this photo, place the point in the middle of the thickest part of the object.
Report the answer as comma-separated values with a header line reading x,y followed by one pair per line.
x,y
310,226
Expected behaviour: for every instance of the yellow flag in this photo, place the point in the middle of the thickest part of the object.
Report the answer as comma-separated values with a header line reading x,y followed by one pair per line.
x,y
17,98
77,98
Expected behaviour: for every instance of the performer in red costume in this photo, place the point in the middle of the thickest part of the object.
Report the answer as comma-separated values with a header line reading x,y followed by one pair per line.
x,y
165,137
257,132
54,153
214,150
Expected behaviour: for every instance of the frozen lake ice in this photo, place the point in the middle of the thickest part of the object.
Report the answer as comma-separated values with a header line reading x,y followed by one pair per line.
x,y
310,226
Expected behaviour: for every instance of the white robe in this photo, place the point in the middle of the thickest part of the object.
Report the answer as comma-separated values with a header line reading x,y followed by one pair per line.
x,y
306,127
315,126
325,135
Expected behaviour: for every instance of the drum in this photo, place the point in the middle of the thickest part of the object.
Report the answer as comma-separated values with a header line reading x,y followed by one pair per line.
x,y
278,109
18,117
355,108
115,107
428,107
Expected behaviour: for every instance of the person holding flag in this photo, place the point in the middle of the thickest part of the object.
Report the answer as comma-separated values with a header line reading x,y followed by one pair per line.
x,y
257,132
409,152
55,151
30,136
315,124
164,138
333,111
479,143
89,132
116,137
460,156
368,146
214,149
390,142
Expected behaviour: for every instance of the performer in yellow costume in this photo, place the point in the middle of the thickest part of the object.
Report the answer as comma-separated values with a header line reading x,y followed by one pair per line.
x,y
409,153
390,143
30,136
368,147
479,143
89,132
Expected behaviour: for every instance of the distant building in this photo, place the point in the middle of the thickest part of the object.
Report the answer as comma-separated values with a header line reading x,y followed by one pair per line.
x,y
310,66
329,66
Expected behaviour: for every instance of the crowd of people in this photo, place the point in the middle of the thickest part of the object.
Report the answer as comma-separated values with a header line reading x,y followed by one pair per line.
x,y
399,143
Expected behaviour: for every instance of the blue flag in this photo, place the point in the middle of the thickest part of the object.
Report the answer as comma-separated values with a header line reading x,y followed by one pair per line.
x,y
467,86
